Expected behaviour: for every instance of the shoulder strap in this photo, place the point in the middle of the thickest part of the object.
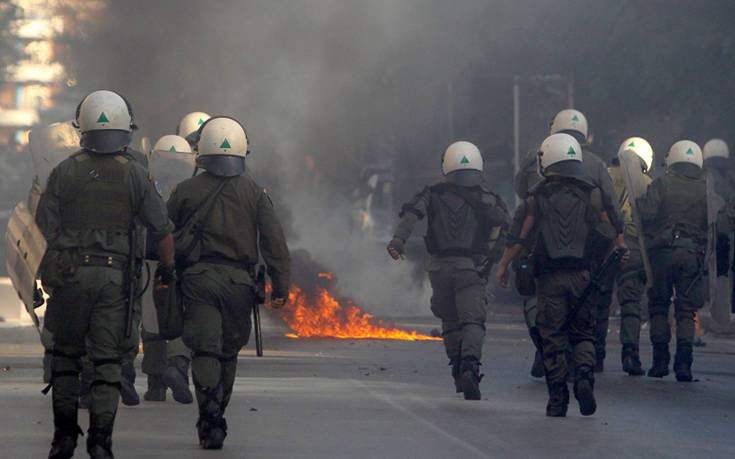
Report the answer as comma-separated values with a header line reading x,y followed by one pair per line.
x,y
204,209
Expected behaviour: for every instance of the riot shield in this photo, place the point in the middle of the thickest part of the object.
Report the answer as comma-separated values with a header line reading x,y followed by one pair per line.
x,y
49,146
636,186
24,249
169,168
719,297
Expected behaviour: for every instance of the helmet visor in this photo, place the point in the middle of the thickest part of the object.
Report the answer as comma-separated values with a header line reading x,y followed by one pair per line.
x,y
465,177
568,168
106,140
222,165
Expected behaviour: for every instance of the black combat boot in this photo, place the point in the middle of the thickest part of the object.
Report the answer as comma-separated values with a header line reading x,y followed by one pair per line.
x,y
65,440
537,369
600,360
631,360
212,432
456,373
661,358
584,386
558,399
128,394
99,443
156,389
176,377
683,363
62,446
470,378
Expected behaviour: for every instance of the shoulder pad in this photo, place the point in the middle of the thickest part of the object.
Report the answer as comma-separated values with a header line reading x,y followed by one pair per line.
x,y
80,156
537,187
489,198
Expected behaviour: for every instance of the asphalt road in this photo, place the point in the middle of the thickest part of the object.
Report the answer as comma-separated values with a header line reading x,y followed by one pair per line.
x,y
324,398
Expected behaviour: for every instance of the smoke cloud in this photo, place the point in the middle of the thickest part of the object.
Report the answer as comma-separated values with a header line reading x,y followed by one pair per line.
x,y
327,88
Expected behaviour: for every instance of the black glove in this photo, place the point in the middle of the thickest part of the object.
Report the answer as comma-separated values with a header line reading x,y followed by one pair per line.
x,y
165,274
398,245
38,299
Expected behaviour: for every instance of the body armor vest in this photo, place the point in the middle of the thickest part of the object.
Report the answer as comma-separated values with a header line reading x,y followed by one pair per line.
x,y
99,195
683,206
565,221
458,221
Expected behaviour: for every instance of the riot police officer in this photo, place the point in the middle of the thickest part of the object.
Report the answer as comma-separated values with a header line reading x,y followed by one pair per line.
x,y
572,122
465,220
631,278
166,363
218,277
190,124
675,220
88,214
565,210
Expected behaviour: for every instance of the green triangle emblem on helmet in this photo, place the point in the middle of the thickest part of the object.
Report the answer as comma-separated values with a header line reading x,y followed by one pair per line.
x,y
103,118
631,144
59,138
575,118
225,144
689,152
172,148
201,121
464,160
571,151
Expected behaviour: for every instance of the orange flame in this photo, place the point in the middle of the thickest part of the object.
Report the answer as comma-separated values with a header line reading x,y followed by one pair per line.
x,y
321,315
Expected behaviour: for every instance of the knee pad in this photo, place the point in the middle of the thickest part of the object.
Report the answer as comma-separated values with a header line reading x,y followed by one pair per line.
x,y
109,370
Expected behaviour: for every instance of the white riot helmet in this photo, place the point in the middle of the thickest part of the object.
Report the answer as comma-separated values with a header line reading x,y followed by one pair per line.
x,y
570,121
172,143
715,148
222,143
684,151
560,154
640,147
105,120
462,164
190,124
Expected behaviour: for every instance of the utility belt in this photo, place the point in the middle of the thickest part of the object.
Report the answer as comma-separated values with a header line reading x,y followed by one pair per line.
x,y
676,237
683,239
232,263
103,261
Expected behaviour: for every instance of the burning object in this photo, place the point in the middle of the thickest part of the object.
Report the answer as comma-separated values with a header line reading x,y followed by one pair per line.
x,y
320,314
